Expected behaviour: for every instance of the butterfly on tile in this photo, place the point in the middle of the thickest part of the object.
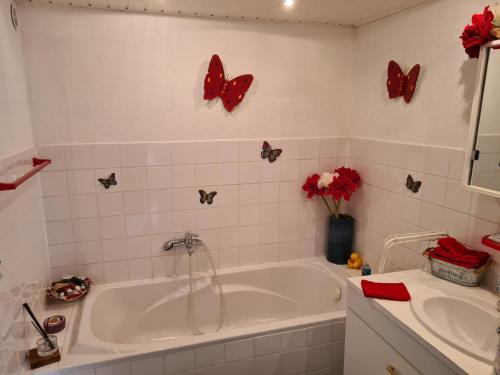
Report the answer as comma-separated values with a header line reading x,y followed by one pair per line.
x,y
270,154
207,197
400,83
107,182
413,185
231,92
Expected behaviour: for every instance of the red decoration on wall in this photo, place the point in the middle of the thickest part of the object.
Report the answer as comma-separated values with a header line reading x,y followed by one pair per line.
x,y
231,92
401,84
477,33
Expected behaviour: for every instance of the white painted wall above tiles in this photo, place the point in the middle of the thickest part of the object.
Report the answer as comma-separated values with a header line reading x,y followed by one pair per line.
x,y
126,77
16,132
440,109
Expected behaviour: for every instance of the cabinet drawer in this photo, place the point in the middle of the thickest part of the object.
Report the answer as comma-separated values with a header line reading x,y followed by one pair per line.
x,y
367,353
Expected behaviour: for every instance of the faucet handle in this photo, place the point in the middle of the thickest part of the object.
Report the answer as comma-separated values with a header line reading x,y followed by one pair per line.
x,y
191,235
497,288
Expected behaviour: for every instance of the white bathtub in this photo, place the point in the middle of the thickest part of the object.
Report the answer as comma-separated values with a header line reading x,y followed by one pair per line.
x,y
150,316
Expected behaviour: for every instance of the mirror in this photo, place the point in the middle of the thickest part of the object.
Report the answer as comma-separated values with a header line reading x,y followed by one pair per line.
x,y
483,161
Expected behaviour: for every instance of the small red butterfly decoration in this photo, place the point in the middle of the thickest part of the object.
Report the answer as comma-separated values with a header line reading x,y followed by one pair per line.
x,y
399,83
231,92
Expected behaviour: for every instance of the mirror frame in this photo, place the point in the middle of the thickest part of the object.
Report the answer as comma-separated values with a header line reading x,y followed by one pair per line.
x,y
474,120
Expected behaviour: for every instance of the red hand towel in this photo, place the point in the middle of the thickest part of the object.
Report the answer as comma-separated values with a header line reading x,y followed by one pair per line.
x,y
391,291
451,251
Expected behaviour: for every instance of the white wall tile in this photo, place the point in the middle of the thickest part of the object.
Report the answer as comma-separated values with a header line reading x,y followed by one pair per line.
x,y
81,181
457,198
159,177
110,204
437,161
86,230
134,179
147,366
209,355
115,271
113,250
228,152
205,152
268,365
183,176
88,252
57,208
159,154
83,206
106,155
56,155
293,362
138,225
136,202
269,344
294,340
140,269
54,183
118,369
160,200
179,361
62,255
133,155
112,227
183,153
79,157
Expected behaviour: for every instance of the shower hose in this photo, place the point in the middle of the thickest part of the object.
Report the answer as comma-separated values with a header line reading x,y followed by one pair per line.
x,y
216,285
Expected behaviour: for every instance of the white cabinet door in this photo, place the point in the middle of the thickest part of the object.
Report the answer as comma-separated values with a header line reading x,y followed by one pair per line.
x,y
366,353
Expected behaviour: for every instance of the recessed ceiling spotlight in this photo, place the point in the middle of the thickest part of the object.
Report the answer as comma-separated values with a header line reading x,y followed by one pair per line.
x,y
288,3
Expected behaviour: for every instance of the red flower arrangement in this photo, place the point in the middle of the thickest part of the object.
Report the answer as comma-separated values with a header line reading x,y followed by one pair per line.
x,y
478,33
339,185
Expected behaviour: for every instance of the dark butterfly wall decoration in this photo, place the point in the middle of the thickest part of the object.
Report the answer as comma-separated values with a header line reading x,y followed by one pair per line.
x,y
401,83
413,185
207,197
216,85
268,152
108,182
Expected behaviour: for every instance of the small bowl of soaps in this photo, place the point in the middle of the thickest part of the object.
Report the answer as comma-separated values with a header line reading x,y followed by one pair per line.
x,y
70,288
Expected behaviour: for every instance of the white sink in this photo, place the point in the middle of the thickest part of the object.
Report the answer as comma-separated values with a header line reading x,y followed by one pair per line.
x,y
466,322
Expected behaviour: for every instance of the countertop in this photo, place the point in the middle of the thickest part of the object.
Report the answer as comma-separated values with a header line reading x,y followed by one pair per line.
x,y
402,314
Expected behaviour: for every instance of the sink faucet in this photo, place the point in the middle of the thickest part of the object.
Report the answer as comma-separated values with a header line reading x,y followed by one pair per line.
x,y
188,241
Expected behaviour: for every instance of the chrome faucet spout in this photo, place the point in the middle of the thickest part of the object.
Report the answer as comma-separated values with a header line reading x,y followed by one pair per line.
x,y
189,240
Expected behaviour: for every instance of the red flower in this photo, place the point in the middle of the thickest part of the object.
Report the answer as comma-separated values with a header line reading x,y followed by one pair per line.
x,y
345,184
311,186
477,34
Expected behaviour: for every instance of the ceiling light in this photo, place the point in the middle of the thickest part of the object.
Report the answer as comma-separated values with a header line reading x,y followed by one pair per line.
x,y
288,3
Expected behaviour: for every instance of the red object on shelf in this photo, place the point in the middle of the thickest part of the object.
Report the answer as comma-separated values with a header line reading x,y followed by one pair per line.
x,y
487,242
38,165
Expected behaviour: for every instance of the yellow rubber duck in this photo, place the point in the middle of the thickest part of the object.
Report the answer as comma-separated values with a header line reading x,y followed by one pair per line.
x,y
355,261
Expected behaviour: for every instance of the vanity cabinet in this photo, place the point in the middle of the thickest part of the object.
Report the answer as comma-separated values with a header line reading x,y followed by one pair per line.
x,y
367,353
378,344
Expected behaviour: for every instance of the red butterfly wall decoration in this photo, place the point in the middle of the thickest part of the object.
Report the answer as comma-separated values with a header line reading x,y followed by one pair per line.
x,y
401,84
231,92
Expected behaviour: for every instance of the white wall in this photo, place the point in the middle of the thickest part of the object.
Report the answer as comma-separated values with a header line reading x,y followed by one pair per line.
x,y
23,249
101,76
15,129
428,35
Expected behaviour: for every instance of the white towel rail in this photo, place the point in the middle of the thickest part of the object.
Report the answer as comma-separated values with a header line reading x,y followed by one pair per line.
x,y
402,239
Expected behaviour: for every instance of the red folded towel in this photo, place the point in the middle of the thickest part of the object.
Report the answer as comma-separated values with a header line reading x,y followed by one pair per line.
x,y
451,251
391,291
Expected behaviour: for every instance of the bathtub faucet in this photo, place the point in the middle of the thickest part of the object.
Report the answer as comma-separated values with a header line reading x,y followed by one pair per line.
x,y
188,241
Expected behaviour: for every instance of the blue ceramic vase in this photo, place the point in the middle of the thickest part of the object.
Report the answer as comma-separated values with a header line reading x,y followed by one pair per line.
x,y
340,239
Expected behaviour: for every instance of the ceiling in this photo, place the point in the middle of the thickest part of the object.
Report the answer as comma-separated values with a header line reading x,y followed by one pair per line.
x,y
332,12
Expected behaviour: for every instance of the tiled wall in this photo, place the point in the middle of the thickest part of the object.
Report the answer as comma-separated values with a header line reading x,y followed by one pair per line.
x,y
318,350
24,263
259,215
385,206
